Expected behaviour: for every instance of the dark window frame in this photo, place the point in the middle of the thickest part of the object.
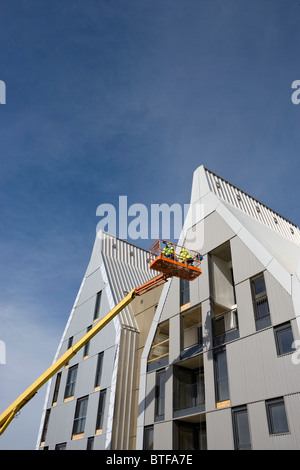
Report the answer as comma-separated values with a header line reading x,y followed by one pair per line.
x,y
259,299
184,290
71,381
101,410
70,342
283,328
46,424
236,412
86,348
61,446
90,443
270,406
80,416
56,388
217,353
99,369
97,305
148,443
160,394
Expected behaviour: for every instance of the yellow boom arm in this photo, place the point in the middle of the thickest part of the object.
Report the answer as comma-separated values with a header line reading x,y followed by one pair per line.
x,y
9,413
184,272
14,408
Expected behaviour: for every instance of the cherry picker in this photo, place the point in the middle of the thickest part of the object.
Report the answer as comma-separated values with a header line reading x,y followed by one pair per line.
x,y
165,257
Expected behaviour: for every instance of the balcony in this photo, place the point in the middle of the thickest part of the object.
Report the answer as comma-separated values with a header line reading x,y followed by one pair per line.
x,y
159,353
225,327
191,333
192,342
189,391
189,399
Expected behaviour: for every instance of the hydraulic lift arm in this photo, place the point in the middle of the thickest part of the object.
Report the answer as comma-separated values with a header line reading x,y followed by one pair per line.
x,y
7,416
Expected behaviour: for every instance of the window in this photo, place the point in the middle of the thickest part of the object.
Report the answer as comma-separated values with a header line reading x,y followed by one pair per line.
x,y
61,446
98,370
87,346
284,338
241,432
70,342
100,412
71,382
160,395
97,306
159,352
221,375
80,416
260,300
276,415
189,391
148,438
90,443
45,427
225,327
56,389
184,292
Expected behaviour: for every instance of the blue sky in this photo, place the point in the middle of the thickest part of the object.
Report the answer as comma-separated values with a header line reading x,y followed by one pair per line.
x,y
126,97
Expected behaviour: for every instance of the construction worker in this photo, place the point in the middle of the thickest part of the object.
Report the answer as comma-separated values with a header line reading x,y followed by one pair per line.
x,y
185,256
182,255
168,250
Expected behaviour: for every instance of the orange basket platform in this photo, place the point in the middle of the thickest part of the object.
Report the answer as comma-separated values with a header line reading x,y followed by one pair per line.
x,y
173,265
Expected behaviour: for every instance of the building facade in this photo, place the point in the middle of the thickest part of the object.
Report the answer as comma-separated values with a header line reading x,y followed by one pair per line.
x,y
207,364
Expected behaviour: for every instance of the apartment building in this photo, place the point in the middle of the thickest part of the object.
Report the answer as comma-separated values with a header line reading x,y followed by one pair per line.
x,y
228,380
207,364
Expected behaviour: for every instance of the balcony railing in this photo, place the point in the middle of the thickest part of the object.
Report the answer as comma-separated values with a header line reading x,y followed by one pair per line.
x,y
189,396
225,327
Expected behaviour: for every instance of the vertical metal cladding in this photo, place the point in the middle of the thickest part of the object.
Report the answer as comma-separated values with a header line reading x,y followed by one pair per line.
x,y
127,267
246,203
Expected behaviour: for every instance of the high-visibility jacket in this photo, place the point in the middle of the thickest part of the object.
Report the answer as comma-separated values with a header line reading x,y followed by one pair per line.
x,y
184,254
167,250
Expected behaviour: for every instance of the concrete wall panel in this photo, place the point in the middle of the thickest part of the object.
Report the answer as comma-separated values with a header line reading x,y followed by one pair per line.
x,y
219,430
